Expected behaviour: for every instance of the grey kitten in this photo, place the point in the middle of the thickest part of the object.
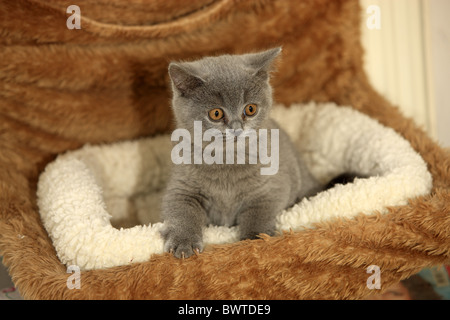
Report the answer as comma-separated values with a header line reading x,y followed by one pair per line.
x,y
228,92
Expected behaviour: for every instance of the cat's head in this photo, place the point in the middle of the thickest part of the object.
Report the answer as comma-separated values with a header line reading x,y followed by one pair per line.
x,y
224,92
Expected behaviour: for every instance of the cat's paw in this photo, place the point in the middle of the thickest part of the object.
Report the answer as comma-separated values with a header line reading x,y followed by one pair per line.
x,y
182,245
183,248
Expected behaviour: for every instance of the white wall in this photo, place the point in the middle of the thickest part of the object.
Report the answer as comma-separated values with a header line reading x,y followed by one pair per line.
x,y
396,57
439,27
407,59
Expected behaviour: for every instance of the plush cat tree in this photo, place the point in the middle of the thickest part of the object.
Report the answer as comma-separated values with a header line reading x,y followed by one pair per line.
x,y
106,83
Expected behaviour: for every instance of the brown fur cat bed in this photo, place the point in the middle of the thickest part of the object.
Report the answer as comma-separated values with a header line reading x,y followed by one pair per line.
x,y
107,82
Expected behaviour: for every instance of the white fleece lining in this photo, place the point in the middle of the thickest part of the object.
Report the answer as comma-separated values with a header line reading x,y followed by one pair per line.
x,y
82,191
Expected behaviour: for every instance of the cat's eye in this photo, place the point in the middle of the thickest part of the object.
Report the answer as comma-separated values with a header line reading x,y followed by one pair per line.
x,y
216,114
250,110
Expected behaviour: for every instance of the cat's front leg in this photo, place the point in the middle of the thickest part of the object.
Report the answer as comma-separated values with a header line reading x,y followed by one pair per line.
x,y
255,220
184,218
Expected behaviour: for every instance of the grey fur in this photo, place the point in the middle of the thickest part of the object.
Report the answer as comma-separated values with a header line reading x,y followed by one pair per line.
x,y
228,194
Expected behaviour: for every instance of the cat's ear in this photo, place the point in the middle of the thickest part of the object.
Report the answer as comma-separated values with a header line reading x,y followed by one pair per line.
x,y
261,63
184,80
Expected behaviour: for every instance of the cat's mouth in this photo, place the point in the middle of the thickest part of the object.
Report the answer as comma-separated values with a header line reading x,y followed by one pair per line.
x,y
231,134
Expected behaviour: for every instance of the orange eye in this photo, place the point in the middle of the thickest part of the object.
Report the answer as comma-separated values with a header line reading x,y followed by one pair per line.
x,y
250,109
216,114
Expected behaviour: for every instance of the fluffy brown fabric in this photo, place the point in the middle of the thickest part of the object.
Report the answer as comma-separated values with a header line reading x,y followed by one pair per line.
x,y
63,88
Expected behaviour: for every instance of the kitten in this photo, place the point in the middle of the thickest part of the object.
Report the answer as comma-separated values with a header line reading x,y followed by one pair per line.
x,y
228,92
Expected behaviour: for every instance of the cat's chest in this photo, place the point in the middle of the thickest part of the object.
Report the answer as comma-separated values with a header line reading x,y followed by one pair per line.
x,y
226,198
223,209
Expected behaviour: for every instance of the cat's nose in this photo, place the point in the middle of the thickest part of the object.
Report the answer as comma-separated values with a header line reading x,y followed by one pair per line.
x,y
237,127
237,132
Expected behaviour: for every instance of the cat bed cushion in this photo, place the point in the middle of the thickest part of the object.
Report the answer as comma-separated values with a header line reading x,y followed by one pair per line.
x,y
81,192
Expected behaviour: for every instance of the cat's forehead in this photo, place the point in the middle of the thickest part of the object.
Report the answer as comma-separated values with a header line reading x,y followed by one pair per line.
x,y
226,67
